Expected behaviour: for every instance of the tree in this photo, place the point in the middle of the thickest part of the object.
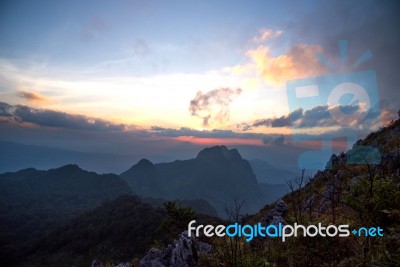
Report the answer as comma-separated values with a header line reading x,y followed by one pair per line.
x,y
296,195
178,218
233,247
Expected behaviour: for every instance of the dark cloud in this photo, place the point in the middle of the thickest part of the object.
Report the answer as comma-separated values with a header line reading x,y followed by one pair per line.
x,y
213,105
51,118
5,110
244,126
283,121
20,114
319,116
32,96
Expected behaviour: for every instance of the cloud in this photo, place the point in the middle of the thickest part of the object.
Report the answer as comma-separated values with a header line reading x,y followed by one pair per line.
x,y
19,119
5,110
32,97
323,116
213,105
51,118
266,34
299,61
283,121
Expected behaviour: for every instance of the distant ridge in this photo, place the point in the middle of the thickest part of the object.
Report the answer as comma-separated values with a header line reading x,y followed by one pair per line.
x,y
266,173
17,156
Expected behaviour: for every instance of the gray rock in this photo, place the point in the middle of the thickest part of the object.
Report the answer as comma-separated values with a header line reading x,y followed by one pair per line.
x,y
204,247
97,263
275,216
153,258
183,252
280,207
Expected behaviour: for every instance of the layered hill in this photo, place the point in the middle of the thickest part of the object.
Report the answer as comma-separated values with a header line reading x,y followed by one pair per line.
x,y
217,175
33,202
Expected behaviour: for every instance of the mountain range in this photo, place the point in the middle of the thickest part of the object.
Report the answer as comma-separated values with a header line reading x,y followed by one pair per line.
x,y
217,174
35,203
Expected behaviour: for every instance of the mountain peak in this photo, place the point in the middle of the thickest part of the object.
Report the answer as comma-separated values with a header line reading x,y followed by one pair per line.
x,y
219,152
144,162
142,165
70,167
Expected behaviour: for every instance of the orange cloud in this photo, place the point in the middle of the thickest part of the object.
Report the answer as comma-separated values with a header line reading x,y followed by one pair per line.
x,y
33,97
300,61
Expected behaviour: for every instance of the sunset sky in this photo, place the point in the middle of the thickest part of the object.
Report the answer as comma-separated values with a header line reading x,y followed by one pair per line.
x,y
191,71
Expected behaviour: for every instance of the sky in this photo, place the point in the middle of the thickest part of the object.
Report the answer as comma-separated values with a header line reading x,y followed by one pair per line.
x,y
83,74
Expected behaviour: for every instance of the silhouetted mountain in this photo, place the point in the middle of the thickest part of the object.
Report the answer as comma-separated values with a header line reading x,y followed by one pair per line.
x,y
216,175
148,184
33,202
266,173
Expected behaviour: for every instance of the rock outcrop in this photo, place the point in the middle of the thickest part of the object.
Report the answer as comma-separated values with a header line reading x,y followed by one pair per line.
x,y
276,215
98,263
183,252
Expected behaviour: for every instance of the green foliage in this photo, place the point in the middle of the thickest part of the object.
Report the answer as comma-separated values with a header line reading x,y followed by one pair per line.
x,y
116,231
178,218
371,208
